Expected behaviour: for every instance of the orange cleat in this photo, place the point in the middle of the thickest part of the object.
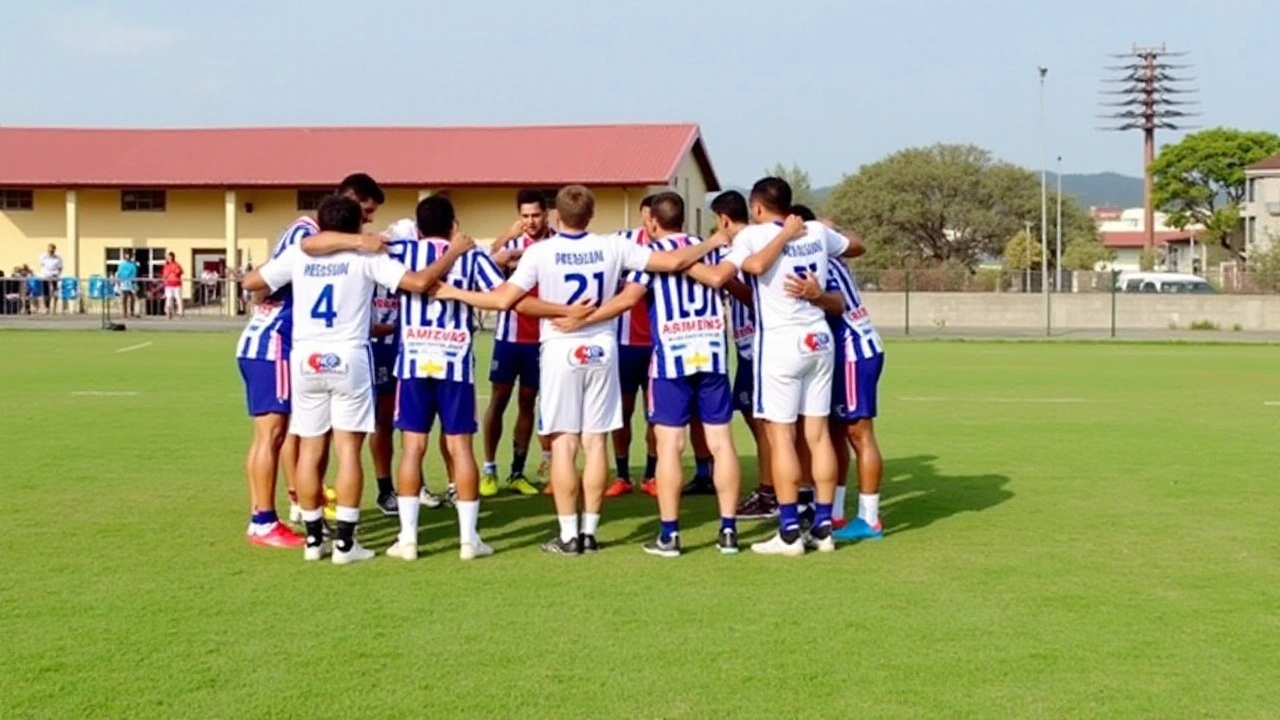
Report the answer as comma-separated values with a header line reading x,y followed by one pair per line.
x,y
281,536
649,487
619,487
836,524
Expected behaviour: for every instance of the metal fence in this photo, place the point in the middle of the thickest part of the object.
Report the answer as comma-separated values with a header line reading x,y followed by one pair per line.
x,y
217,297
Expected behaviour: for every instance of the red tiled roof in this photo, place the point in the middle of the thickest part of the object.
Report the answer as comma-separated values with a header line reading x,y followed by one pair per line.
x,y
1137,239
1271,163
422,157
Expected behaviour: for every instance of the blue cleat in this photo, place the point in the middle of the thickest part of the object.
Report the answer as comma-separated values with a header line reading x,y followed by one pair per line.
x,y
859,529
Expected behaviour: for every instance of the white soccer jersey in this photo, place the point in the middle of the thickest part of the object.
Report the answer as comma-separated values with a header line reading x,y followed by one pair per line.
x,y
332,293
268,334
806,255
386,302
854,326
435,335
686,318
567,268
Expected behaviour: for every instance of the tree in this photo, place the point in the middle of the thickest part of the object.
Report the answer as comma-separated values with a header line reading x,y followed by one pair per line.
x,y
1082,253
798,179
1200,180
1022,252
945,203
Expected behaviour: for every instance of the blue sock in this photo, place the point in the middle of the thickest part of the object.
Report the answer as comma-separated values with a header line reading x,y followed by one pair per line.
x,y
264,517
822,514
729,524
650,466
622,465
788,518
669,528
702,468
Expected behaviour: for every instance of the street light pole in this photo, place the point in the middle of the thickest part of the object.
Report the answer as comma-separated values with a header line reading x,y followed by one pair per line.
x,y
1057,256
1044,210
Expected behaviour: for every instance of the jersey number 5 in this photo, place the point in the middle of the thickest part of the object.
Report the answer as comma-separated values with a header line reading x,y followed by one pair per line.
x,y
323,309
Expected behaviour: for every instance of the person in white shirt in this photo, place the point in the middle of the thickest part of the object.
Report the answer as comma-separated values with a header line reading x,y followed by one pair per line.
x,y
331,368
50,273
579,398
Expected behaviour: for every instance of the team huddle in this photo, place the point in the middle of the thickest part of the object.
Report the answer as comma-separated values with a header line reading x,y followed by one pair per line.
x,y
360,334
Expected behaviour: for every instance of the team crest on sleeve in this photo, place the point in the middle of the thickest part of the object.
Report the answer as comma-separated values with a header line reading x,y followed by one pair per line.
x,y
587,356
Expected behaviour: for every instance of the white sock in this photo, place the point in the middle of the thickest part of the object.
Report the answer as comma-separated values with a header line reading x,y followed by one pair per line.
x,y
408,509
590,523
312,515
568,527
348,514
869,508
491,468
468,514
837,512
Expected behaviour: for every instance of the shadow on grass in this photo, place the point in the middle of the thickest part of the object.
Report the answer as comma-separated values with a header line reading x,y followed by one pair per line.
x,y
915,495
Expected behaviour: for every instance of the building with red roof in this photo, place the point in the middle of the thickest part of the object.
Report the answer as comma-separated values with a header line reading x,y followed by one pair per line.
x,y
220,195
1260,211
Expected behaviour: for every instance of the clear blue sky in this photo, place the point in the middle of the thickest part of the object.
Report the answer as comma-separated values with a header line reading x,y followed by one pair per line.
x,y
830,84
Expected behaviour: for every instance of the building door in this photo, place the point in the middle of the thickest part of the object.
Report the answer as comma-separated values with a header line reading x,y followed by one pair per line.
x,y
208,275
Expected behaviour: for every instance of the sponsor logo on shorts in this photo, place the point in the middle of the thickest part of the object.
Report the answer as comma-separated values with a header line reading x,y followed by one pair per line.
x,y
324,362
585,355
816,342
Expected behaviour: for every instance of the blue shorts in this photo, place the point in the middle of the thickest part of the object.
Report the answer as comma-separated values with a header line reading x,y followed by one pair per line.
x,y
853,387
675,402
633,367
421,400
266,386
384,369
512,361
744,386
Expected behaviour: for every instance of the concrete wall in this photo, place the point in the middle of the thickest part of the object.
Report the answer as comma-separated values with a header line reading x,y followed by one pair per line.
x,y
1072,312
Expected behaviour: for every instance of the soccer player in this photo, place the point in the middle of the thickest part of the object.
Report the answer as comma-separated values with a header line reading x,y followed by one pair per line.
x,y
515,357
386,345
262,353
688,379
579,400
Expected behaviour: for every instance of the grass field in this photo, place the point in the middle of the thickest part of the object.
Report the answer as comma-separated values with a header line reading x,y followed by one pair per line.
x,y
1075,531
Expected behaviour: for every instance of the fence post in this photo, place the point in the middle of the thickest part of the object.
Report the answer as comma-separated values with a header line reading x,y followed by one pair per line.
x,y
907,301
1114,277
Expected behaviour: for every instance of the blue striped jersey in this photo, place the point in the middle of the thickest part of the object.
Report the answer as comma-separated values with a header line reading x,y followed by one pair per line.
x,y
853,329
744,325
686,318
386,303
435,335
269,334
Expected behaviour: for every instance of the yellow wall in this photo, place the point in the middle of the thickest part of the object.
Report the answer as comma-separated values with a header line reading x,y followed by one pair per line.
x,y
25,233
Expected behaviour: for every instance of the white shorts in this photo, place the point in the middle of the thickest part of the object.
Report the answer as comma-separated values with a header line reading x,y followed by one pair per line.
x,y
578,389
173,293
793,377
332,389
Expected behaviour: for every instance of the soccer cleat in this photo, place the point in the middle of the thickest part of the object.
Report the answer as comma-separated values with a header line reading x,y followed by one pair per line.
x,y
837,523
520,485
451,495
357,553
403,550
588,544
859,529
544,471
556,546
387,504
429,500
820,539
311,553
699,486
807,515
330,504
777,546
758,506
670,548
728,542
471,551
649,487
279,536
488,485
619,487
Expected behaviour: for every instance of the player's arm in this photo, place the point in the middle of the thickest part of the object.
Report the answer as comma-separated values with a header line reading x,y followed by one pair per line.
x,y
806,288
631,293
420,281
539,308
382,330
330,242
740,291
669,261
274,275
502,298
760,262
854,244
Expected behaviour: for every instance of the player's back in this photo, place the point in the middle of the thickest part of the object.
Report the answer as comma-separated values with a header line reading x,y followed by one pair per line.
x,y
331,297
686,318
803,256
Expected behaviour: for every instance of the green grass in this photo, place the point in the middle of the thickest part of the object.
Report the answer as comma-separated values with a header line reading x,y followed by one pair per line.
x,y
1076,531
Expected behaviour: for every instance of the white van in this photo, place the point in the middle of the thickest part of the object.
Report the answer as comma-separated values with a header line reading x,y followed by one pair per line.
x,y
1162,282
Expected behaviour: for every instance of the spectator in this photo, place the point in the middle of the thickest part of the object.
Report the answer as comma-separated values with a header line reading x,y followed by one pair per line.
x,y
209,279
127,276
172,274
50,272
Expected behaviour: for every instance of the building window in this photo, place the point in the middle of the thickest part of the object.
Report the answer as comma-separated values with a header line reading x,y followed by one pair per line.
x,y
309,200
1250,233
1253,190
150,261
142,200
17,200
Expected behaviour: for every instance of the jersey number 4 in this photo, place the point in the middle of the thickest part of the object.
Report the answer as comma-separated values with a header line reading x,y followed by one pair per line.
x,y
323,308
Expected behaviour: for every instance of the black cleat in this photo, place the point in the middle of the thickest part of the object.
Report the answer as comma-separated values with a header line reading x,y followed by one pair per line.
x,y
807,516
588,544
699,486
728,542
556,546
387,504
670,548
758,506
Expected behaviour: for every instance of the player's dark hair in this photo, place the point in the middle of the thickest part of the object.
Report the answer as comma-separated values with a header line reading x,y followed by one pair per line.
x,y
435,215
576,206
647,202
362,187
804,212
340,214
668,211
531,197
732,205
773,193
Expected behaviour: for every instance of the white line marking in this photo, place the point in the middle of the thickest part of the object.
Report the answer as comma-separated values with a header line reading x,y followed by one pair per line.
x,y
999,400
139,346
103,393
1272,403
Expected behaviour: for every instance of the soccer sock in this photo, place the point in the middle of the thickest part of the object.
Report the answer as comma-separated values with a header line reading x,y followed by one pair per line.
x,y
590,523
869,508
702,468
263,520
806,496
788,521
468,514
490,468
650,466
669,528
314,521
408,506
517,462
837,512
822,515
568,527
622,467
385,487
729,524
347,519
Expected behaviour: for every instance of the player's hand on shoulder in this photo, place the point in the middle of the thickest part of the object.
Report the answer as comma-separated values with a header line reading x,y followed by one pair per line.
x,y
793,225
461,243
372,243
719,239
804,287
443,291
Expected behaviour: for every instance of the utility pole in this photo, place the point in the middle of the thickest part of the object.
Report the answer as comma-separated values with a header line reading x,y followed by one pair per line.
x,y
1057,256
1044,210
